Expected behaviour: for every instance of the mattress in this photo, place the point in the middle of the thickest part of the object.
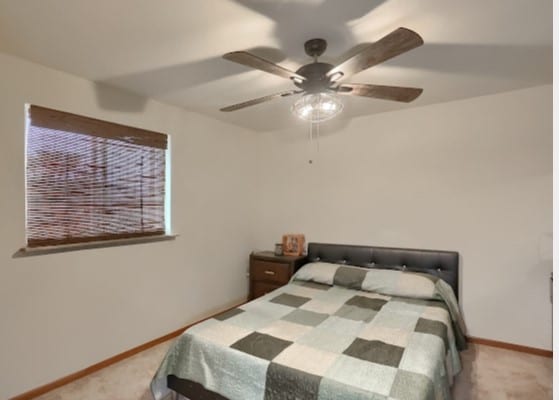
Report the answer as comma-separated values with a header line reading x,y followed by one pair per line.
x,y
333,332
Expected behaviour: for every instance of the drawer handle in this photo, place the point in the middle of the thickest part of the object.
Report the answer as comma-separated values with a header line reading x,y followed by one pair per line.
x,y
268,272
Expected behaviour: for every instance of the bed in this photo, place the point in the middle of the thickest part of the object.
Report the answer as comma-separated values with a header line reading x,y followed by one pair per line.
x,y
355,322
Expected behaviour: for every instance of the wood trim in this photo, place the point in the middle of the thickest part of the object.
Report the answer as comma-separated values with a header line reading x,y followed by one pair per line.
x,y
39,243
511,346
39,251
33,393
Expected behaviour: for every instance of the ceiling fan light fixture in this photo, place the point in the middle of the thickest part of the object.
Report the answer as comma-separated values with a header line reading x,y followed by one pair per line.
x,y
317,107
306,110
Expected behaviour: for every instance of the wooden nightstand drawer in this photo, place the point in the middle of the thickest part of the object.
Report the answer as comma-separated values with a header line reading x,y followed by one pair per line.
x,y
270,271
262,288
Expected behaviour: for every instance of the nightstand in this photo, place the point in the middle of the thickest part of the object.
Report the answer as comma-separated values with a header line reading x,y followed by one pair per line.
x,y
268,271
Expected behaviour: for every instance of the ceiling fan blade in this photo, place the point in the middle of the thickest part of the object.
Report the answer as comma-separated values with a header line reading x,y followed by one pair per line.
x,y
396,93
392,45
250,60
259,100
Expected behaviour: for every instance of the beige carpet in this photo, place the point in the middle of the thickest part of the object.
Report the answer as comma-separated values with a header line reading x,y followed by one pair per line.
x,y
489,374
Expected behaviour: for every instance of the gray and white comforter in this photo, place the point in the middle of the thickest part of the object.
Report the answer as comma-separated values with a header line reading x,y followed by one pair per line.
x,y
334,332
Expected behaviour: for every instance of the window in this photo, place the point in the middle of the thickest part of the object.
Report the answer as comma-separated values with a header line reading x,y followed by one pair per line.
x,y
90,180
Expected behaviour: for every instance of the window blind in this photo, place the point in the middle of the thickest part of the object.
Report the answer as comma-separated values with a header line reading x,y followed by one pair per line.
x,y
90,180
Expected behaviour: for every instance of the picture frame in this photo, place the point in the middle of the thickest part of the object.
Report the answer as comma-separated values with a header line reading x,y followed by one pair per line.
x,y
293,244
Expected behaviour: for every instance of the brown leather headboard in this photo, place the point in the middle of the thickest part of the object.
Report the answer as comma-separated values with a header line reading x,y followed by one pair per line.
x,y
443,264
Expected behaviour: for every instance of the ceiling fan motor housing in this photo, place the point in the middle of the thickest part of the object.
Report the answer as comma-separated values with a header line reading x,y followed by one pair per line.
x,y
316,81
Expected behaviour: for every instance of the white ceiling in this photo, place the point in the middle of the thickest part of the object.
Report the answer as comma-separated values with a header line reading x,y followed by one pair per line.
x,y
171,50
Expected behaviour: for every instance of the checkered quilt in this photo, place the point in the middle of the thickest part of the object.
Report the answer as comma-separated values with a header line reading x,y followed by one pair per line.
x,y
334,332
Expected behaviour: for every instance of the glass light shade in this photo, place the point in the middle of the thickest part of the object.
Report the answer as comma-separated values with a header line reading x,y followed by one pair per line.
x,y
317,107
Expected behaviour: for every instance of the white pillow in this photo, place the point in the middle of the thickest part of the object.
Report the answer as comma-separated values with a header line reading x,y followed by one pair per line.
x,y
319,272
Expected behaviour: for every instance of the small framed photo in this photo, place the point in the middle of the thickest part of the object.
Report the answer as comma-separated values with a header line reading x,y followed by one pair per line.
x,y
293,244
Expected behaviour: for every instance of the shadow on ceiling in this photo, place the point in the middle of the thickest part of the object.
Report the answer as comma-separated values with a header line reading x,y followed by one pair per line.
x,y
173,78
526,63
296,22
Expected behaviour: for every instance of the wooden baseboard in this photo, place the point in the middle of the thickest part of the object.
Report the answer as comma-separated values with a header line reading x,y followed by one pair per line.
x,y
511,346
33,393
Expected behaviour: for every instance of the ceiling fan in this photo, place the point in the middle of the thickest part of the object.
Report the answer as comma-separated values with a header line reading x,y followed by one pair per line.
x,y
319,77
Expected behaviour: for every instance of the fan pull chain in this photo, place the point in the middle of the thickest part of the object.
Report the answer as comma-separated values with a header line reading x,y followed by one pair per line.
x,y
314,134
310,142
314,138
317,138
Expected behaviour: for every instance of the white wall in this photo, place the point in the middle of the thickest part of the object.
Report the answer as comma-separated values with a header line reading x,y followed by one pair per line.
x,y
473,176
61,313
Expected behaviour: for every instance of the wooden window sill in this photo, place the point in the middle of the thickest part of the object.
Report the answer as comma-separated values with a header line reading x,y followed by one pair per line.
x,y
37,251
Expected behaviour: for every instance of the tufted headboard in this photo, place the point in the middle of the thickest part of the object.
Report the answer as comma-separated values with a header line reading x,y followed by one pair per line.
x,y
443,264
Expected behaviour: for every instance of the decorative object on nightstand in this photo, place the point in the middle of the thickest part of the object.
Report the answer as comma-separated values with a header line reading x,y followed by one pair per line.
x,y
293,244
269,272
278,249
